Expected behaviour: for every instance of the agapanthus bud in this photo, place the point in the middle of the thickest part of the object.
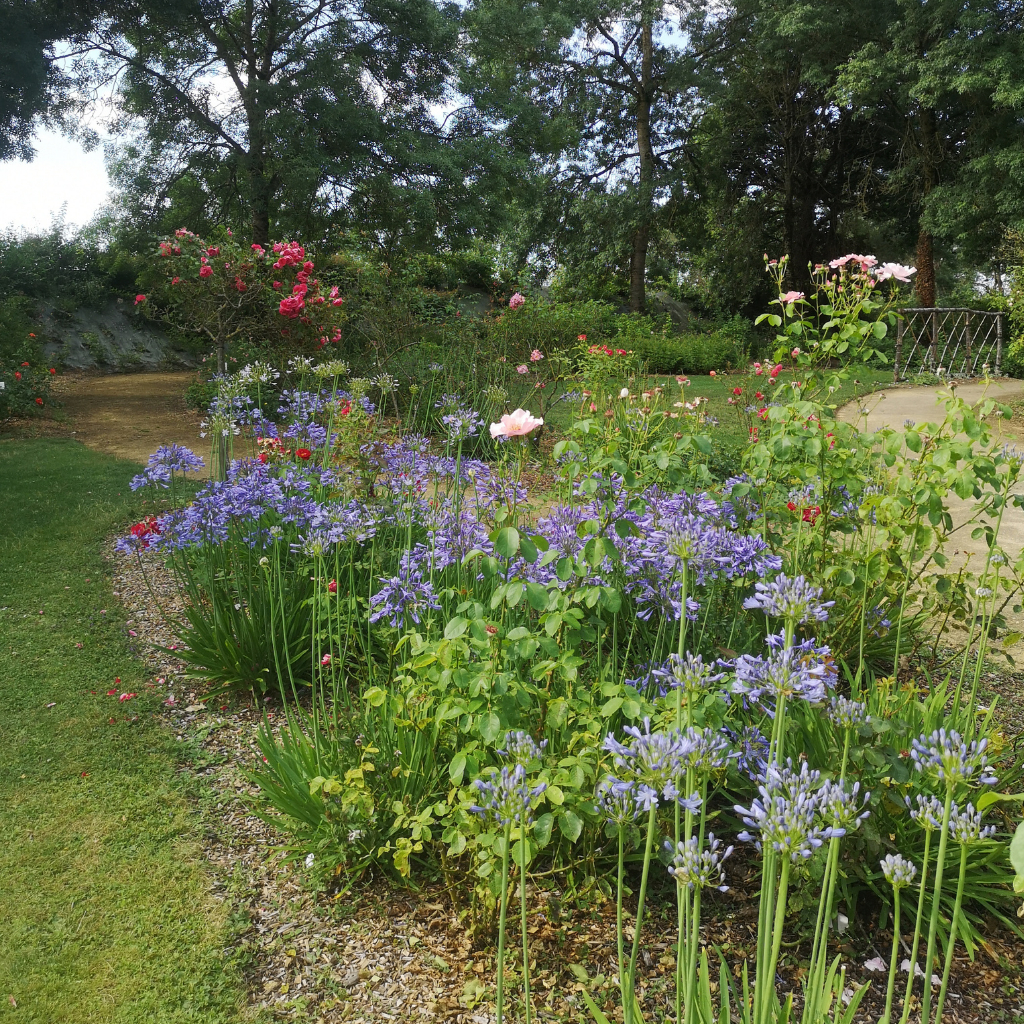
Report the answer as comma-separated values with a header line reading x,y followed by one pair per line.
x,y
522,748
899,872
793,599
947,757
965,826
507,798
696,868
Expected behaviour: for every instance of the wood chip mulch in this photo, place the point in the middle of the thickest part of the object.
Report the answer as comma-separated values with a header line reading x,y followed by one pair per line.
x,y
373,953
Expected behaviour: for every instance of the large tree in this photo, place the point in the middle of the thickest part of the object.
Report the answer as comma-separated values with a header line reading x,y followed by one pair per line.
x,y
265,110
602,94
946,82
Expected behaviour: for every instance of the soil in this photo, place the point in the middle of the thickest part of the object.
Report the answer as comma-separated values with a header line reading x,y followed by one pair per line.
x,y
124,415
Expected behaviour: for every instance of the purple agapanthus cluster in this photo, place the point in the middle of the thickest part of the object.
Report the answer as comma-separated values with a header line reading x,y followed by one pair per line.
x,y
695,868
507,797
409,594
803,671
521,748
950,759
163,463
789,815
965,826
794,600
653,763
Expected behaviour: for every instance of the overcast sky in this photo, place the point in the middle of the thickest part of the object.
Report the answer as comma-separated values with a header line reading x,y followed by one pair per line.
x,y
62,172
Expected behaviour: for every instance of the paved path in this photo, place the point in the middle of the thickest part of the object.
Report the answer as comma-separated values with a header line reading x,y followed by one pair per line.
x,y
895,406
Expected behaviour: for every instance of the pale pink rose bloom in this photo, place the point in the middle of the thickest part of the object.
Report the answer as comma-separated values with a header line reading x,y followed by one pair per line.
x,y
522,368
877,964
842,261
896,271
795,353
516,301
792,297
536,355
516,424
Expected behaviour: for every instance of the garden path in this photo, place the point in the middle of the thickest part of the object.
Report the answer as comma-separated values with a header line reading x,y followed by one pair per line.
x,y
130,415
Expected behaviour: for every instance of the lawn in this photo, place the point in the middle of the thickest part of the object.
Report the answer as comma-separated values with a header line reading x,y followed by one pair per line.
x,y
106,913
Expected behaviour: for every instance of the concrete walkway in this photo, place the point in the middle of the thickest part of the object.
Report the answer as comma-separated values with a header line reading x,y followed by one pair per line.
x,y
893,407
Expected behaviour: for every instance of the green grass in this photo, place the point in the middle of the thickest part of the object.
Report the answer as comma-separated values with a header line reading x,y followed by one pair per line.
x,y
105,908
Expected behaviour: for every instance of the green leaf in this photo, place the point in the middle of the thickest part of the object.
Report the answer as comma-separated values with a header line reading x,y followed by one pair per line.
x,y
456,627
555,795
542,828
594,1009
537,596
375,696
489,727
506,542
570,825
563,569
1017,857
611,706
528,550
457,769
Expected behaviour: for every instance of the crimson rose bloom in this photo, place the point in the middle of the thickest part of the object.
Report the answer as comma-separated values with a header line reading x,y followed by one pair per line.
x,y
303,453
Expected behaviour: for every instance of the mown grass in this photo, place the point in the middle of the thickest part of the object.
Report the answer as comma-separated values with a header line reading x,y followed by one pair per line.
x,y
105,907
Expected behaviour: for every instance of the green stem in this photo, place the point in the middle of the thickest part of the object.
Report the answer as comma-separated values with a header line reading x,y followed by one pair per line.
x,y
522,919
933,924
951,942
905,1016
887,1016
768,989
618,907
500,998
629,997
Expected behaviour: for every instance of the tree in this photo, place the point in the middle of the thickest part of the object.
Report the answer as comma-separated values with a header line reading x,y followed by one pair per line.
x,y
946,82
267,109
602,94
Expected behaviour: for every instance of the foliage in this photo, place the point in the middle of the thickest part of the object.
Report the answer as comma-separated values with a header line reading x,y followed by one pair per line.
x,y
24,387
244,297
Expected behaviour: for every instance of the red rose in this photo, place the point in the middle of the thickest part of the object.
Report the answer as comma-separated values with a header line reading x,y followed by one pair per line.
x,y
17,375
811,514
737,391
52,370
139,299
332,587
303,453
39,401
206,271
24,364
263,456
292,306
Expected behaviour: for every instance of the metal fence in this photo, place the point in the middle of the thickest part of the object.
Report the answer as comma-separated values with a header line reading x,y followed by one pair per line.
x,y
959,341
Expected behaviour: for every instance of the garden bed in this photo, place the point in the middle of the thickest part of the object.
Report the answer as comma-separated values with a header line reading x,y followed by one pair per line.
x,y
319,951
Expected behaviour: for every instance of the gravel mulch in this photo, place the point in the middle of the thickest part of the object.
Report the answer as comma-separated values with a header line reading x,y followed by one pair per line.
x,y
312,951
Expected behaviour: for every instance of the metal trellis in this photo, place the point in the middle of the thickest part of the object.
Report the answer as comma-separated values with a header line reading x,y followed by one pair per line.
x,y
958,340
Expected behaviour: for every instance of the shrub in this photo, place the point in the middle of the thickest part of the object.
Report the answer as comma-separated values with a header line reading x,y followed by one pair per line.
x,y
688,353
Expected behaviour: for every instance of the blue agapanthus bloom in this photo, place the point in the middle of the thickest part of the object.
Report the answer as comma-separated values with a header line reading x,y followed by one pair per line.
x,y
410,593
949,758
654,760
521,748
696,868
163,463
793,599
508,797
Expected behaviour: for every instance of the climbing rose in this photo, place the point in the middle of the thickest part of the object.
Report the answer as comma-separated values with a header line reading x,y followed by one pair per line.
x,y
536,355
206,271
39,401
139,298
792,297
516,301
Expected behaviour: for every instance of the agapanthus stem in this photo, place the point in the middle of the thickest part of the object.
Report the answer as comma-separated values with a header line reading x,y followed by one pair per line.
x,y
522,917
892,959
933,924
951,942
618,907
499,1002
629,996
905,1016
768,989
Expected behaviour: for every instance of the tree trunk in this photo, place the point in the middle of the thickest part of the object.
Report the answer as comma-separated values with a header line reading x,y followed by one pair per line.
x,y
924,283
645,151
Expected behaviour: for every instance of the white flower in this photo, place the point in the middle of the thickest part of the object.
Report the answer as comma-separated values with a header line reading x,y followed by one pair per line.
x,y
878,964
309,860
624,393
516,424
896,271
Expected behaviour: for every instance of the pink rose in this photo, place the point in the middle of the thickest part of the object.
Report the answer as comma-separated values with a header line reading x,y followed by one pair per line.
x,y
536,355
516,301
516,424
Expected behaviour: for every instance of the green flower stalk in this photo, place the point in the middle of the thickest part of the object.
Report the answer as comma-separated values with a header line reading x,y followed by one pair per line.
x,y
899,873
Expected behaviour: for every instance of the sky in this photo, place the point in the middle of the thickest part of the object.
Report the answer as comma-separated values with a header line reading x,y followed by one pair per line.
x,y
62,172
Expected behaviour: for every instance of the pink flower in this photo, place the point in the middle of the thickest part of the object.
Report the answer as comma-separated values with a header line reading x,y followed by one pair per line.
x,y
792,297
257,248
206,271
139,298
522,368
126,696
536,355
325,660
776,370
292,306
213,251
795,353
175,280
516,301
712,374
896,271
516,424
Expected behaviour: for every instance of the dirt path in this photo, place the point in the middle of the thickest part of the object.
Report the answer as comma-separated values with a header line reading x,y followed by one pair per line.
x,y
129,415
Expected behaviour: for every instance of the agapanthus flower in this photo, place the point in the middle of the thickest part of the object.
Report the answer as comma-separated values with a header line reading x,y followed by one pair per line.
x,y
521,748
847,713
752,747
785,816
786,672
462,422
928,813
793,599
965,826
654,760
947,757
696,868
842,809
507,797
688,673
409,593
899,872
705,750
165,461
621,803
